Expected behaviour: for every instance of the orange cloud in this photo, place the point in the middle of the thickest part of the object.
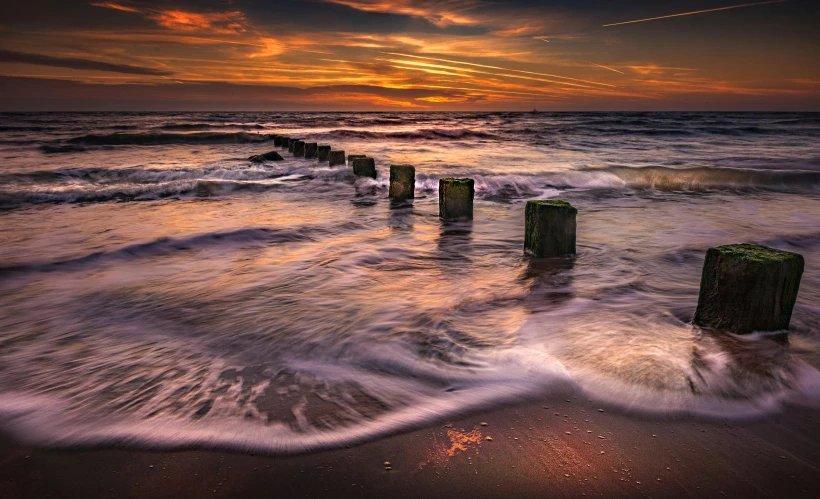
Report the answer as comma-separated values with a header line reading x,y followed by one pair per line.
x,y
217,22
221,23
442,13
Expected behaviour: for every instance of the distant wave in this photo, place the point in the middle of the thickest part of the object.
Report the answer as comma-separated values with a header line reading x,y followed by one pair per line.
x,y
206,126
168,245
51,149
151,139
422,134
703,178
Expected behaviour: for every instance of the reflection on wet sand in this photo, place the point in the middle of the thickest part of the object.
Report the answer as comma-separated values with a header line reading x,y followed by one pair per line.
x,y
549,281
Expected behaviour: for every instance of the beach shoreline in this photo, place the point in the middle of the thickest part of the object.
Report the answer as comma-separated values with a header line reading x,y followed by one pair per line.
x,y
567,447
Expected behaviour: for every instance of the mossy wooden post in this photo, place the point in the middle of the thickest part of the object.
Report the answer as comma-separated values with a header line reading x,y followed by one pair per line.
x,y
310,150
299,148
351,157
277,140
455,198
336,158
322,152
746,288
402,182
364,167
549,228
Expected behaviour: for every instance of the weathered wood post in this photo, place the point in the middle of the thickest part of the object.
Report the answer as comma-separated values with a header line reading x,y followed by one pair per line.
x,y
549,228
336,157
285,142
402,181
310,150
299,148
292,143
322,152
277,140
364,167
351,157
746,288
455,198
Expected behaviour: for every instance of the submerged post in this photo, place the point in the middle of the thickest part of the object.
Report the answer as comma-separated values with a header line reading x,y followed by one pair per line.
x,y
364,167
455,198
336,157
549,228
299,148
351,157
322,152
310,150
746,288
402,181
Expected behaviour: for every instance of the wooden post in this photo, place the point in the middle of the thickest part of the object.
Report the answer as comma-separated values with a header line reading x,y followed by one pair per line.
x,y
746,288
364,167
402,181
310,150
322,152
299,148
351,157
549,228
455,198
336,157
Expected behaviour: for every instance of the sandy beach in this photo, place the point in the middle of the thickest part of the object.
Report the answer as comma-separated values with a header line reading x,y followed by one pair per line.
x,y
558,448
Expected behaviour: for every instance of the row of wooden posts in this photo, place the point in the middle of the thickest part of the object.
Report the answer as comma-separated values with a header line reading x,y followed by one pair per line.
x,y
744,287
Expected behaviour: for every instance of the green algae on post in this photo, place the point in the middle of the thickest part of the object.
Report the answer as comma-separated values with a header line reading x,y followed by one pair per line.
x,y
364,167
549,228
322,153
746,288
455,198
402,181
336,157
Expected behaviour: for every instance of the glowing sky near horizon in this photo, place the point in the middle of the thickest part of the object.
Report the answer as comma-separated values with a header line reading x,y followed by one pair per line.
x,y
409,54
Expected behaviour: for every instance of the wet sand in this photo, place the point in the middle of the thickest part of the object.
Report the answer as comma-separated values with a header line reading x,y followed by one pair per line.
x,y
555,448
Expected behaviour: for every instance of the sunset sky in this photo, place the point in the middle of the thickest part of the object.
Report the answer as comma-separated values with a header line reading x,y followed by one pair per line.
x,y
409,54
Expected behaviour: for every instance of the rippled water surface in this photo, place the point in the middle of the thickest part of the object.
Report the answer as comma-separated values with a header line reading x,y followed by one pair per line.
x,y
293,307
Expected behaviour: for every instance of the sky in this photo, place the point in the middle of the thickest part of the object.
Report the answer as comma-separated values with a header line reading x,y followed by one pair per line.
x,y
414,55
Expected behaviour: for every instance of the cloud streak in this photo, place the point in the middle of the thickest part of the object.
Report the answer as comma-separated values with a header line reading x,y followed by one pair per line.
x,y
729,7
77,63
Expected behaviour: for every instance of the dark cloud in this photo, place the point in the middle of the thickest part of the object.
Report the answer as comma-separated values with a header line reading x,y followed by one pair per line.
x,y
76,63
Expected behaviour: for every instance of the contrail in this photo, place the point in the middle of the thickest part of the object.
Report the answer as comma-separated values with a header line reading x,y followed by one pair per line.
x,y
605,67
496,67
697,12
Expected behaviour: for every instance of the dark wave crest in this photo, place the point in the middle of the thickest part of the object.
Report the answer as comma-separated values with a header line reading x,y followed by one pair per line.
x,y
422,134
151,139
183,127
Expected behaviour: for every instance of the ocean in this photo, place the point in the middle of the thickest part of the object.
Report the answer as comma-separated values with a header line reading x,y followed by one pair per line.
x,y
159,290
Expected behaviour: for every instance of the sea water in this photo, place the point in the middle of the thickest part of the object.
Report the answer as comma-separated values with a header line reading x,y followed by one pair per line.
x,y
158,289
